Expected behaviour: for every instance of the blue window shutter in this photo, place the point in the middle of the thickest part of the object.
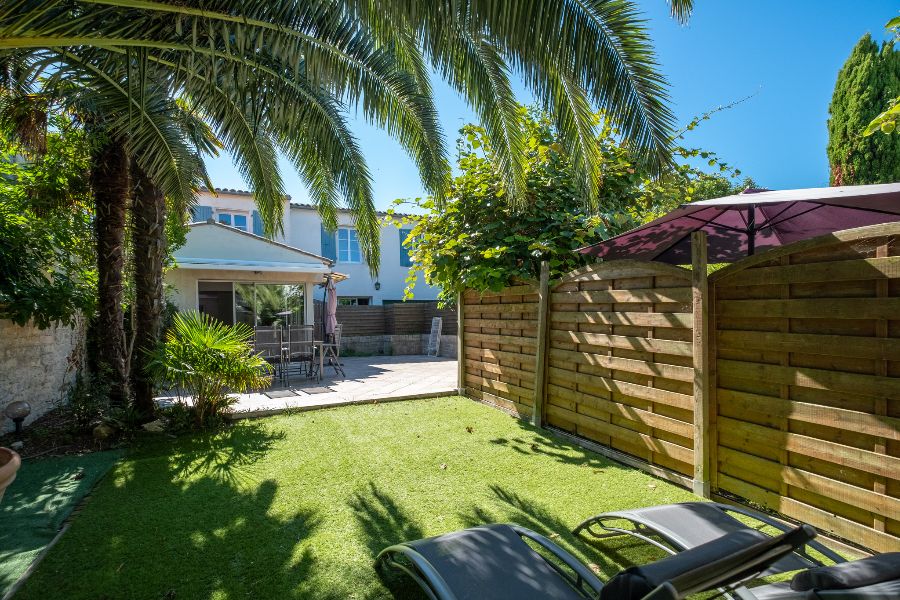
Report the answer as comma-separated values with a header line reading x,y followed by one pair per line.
x,y
202,213
329,248
405,261
257,223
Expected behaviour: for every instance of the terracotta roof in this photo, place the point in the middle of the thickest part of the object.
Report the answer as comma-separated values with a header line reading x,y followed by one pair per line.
x,y
301,205
381,213
234,192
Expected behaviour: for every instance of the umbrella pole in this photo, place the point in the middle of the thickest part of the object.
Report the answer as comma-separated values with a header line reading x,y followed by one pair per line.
x,y
751,229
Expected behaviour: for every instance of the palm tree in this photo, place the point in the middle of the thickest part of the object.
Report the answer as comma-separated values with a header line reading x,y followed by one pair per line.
x,y
140,134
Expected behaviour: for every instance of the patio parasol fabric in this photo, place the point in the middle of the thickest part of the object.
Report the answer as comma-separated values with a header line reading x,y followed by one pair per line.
x,y
754,220
330,307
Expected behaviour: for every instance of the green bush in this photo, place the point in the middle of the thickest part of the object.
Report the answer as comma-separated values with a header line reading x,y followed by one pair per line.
x,y
206,362
47,261
477,238
87,403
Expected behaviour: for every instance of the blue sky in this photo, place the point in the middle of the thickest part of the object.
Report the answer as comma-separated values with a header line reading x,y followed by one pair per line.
x,y
785,54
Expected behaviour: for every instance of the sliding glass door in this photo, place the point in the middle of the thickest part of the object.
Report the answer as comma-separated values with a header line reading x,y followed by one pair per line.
x,y
261,304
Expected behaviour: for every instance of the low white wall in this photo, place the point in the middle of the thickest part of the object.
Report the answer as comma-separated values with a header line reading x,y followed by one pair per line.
x,y
38,366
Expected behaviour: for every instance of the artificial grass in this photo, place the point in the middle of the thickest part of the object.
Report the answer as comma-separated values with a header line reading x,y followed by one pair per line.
x,y
34,507
297,506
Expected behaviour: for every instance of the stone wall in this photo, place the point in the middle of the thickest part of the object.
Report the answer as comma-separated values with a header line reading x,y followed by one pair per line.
x,y
37,366
380,345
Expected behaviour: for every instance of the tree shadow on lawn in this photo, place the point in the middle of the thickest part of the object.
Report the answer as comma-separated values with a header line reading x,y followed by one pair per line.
x,y
383,523
187,523
543,443
612,556
223,455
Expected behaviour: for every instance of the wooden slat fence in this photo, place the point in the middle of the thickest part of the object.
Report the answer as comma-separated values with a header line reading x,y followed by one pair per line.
x,y
500,345
785,394
807,383
390,319
402,319
620,360
361,320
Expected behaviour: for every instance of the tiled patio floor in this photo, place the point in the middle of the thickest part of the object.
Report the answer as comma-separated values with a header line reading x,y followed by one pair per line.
x,y
367,379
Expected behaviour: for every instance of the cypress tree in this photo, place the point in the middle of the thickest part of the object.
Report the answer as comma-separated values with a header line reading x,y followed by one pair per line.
x,y
865,84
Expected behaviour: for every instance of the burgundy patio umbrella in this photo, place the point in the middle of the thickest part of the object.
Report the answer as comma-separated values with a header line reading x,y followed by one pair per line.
x,y
754,220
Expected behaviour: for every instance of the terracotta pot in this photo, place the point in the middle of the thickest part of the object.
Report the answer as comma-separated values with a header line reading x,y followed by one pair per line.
x,y
9,464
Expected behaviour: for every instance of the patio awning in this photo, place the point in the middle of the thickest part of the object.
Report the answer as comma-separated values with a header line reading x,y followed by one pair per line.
x,y
753,220
249,265
218,247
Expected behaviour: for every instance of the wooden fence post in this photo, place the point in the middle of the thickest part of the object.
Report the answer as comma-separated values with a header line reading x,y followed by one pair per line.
x,y
701,335
540,367
460,345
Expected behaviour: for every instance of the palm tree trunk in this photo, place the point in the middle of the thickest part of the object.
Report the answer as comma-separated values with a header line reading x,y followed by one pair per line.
x,y
110,183
149,248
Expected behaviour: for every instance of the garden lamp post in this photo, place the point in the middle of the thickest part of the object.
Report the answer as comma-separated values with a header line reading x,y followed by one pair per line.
x,y
17,411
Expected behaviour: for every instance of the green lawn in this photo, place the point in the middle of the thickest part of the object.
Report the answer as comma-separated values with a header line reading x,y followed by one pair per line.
x,y
297,506
44,494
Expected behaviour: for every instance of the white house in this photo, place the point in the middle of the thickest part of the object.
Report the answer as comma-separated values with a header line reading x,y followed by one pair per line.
x,y
228,269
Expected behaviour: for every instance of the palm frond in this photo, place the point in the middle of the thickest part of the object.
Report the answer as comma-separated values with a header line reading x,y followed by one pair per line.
x,y
681,10
266,73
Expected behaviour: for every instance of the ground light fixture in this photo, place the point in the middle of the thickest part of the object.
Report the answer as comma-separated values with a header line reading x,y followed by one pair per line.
x,y
17,411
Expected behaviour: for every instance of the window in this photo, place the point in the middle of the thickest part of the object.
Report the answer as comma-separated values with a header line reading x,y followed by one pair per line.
x,y
354,300
405,260
236,220
348,246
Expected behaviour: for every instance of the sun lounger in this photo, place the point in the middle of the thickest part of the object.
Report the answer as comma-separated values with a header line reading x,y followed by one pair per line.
x,y
690,524
494,562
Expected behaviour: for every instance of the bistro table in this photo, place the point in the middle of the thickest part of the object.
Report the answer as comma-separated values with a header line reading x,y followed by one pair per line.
x,y
329,348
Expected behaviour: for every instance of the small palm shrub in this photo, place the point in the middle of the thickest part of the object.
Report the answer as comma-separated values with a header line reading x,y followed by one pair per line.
x,y
205,361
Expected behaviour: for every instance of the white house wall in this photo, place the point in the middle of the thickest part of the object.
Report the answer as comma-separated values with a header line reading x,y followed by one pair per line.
x,y
305,227
226,201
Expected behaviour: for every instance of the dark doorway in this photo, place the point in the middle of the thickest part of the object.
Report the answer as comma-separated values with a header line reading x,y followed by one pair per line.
x,y
215,298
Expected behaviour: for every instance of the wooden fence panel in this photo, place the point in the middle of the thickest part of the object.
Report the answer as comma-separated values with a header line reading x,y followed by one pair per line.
x,y
402,318
500,347
620,360
807,385
390,319
796,366
360,320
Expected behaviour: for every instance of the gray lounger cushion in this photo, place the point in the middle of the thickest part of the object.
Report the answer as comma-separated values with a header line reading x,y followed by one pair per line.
x,y
492,561
854,574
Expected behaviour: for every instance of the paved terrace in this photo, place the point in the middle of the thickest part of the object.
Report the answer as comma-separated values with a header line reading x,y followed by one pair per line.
x,y
370,378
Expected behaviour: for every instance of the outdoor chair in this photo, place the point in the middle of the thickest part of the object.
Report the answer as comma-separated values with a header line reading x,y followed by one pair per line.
x,y
691,524
267,344
300,348
494,562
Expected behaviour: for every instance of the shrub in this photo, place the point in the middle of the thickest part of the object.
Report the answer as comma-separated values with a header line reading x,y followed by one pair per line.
x,y
206,361
87,403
